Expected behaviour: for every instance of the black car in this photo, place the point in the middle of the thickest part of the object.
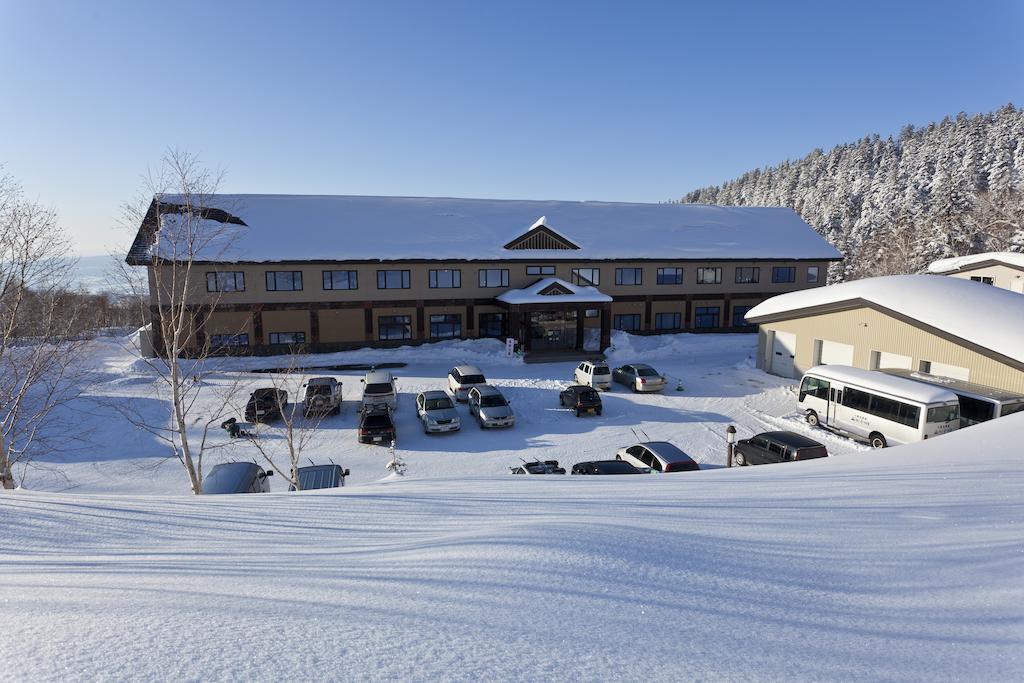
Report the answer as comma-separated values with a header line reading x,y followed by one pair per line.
x,y
584,400
771,447
605,467
265,405
320,477
237,477
376,426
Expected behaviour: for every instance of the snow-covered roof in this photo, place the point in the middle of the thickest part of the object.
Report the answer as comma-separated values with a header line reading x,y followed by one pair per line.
x,y
279,228
567,293
986,316
896,386
950,265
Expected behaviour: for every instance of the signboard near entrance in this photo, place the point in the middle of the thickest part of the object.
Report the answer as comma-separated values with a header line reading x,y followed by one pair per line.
x,y
510,346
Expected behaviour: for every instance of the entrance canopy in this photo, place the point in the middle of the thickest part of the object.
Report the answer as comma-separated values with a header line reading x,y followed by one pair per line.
x,y
552,290
550,315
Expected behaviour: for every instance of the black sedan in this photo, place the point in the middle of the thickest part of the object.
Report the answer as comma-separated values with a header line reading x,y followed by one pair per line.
x,y
605,467
584,400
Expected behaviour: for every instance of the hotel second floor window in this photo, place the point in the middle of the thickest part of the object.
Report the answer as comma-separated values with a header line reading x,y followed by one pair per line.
x,y
493,277
812,273
445,279
394,327
587,277
709,276
627,322
629,276
219,341
284,280
738,313
225,282
341,279
670,276
492,325
392,279
540,270
784,274
287,337
446,326
748,276
707,316
668,321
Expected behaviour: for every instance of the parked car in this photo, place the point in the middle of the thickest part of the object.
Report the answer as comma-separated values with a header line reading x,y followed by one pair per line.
x,y
538,467
490,407
582,399
462,378
660,456
639,377
437,412
770,447
265,405
320,477
323,397
379,389
605,467
237,477
376,426
594,373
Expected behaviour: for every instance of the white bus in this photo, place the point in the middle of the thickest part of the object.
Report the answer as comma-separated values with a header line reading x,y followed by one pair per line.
x,y
875,407
978,403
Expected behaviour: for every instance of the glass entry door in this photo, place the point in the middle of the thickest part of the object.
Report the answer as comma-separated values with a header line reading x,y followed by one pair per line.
x,y
555,330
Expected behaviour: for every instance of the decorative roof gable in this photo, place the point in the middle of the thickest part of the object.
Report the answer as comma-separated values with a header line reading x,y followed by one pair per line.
x,y
540,236
555,289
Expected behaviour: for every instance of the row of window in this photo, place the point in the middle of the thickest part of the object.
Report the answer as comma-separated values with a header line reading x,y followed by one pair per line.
x,y
291,280
703,317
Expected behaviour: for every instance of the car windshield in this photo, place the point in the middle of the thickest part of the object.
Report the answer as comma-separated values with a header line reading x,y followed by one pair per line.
x,y
940,414
647,372
492,401
601,370
473,379
380,420
437,403
382,388
231,477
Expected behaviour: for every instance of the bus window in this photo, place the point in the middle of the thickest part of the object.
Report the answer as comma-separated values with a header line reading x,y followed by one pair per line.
x,y
940,414
856,399
973,410
1011,408
812,386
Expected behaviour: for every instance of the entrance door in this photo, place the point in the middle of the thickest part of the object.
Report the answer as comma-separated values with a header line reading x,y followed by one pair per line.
x,y
783,354
552,330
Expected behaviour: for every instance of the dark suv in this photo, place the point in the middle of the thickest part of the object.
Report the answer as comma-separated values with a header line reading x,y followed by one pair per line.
x,y
777,447
376,426
584,400
265,405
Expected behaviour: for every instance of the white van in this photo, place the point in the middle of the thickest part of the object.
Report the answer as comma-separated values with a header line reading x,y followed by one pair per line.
x,y
875,407
594,373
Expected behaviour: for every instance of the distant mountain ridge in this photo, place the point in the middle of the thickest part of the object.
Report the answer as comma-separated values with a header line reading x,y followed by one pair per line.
x,y
893,205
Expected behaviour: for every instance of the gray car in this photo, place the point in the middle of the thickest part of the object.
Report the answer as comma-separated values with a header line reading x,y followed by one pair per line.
x,y
237,477
437,412
639,377
490,407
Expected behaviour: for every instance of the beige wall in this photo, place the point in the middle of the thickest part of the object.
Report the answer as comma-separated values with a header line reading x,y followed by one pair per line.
x,y
285,321
342,325
1002,276
870,330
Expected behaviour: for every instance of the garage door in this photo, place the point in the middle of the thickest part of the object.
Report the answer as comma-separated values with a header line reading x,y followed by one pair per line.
x,y
954,371
834,353
893,360
1017,285
783,353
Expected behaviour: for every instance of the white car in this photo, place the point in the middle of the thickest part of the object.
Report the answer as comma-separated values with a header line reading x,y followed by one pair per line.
x,y
658,456
595,374
490,407
462,378
437,412
379,389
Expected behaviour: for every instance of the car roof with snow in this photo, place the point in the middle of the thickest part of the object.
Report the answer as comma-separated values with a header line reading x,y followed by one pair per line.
x,y
985,316
468,370
378,377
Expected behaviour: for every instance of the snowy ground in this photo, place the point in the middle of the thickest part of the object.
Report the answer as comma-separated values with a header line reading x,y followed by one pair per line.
x,y
720,387
904,565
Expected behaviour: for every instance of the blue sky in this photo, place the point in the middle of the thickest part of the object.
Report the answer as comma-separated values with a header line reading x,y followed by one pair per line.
x,y
613,101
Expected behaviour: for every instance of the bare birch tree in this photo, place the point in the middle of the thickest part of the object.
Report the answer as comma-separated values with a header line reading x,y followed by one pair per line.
x,y
179,223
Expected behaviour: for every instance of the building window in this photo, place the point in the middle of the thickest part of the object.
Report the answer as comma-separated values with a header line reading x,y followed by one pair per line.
x,y
976,278
392,279
670,276
493,277
445,279
783,274
391,327
629,276
219,341
748,275
492,325
707,316
225,282
738,316
587,277
668,321
284,280
628,322
709,276
446,326
540,270
341,279
592,313
812,273
287,337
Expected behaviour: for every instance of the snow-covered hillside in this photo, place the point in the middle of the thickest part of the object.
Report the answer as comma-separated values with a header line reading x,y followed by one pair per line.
x,y
902,564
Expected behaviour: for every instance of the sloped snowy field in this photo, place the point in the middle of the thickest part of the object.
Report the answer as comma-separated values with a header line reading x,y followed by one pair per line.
x,y
905,564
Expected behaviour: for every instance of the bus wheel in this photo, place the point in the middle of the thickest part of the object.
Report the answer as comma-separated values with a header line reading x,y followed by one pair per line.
x,y
877,440
812,418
